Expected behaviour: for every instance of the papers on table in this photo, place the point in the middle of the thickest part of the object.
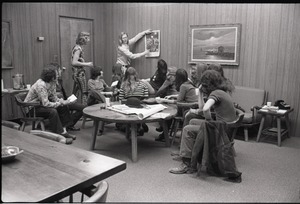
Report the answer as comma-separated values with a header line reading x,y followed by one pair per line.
x,y
160,115
142,113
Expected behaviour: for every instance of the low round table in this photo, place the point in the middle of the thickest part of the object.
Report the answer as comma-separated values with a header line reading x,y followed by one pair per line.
x,y
98,113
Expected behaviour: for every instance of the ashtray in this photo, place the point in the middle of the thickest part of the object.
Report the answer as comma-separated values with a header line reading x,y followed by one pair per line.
x,y
8,153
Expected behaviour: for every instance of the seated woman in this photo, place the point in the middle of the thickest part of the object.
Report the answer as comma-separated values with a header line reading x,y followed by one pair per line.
x,y
96,86
159,77
186,94
133,87
213,85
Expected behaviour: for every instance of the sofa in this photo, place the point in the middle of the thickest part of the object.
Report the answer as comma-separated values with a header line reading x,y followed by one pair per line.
x,y
250,100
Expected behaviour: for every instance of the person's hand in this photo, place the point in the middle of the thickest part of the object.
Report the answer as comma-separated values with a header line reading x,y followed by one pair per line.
x,y
168,97
89,64
148,31
147,52
159,100
123,69
193,111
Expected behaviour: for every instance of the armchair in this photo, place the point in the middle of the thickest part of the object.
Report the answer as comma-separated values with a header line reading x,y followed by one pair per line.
x,y
250,99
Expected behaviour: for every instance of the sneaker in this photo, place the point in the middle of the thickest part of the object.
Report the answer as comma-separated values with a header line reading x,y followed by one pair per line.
x,y
237,179
182,169
73,128
67,135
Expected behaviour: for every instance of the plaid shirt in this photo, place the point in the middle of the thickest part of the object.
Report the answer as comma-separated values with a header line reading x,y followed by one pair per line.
x,y
43,92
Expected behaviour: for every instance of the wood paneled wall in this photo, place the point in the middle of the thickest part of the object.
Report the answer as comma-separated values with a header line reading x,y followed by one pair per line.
x,y
270,40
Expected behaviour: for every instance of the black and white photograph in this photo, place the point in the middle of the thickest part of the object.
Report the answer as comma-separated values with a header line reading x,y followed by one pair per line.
x,y
150,102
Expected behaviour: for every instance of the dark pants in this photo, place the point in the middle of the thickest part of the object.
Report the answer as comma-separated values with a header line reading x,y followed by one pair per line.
x,y
76,109
59,117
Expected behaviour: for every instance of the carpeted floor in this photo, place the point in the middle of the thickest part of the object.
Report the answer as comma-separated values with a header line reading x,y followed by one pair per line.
x,y
269,173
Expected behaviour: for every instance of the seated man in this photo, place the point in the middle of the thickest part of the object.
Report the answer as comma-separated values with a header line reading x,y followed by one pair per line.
x,y
52,108
218,98
75,108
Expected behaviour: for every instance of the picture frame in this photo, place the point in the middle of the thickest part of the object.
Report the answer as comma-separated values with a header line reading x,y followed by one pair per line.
x,y
218,43
152,43
7,45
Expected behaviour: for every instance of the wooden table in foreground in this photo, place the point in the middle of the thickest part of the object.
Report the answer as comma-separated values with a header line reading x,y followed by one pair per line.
x,y
48,171
107,115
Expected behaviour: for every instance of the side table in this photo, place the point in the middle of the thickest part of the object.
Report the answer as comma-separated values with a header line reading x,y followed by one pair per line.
x,y
274,131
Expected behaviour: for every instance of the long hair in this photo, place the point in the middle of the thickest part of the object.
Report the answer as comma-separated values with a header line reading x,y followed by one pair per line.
x,y
127,84
95,72
218,67
212,80
80,40
120,41
181,77
162,69
48,73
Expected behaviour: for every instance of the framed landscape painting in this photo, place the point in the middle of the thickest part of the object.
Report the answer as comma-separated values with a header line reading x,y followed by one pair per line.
x,y
218,43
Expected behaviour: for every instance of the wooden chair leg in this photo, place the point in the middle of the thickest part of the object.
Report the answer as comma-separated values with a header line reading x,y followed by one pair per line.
x,y
83,122
23,126
43,126
246,134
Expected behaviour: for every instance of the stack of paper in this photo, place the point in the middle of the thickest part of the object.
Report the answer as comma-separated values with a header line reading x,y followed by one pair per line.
x,y
142,113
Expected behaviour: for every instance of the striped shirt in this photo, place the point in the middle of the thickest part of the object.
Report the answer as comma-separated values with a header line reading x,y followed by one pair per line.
x,y
140,91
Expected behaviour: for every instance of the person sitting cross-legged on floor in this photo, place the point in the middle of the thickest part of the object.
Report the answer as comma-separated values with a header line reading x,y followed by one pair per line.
x,y
52,107
213,85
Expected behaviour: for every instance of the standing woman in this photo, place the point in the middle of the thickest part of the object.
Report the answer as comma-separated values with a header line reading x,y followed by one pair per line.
x,y
78,65
124,55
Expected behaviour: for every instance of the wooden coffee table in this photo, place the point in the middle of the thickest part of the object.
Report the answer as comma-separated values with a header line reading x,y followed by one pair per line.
x,y
97,113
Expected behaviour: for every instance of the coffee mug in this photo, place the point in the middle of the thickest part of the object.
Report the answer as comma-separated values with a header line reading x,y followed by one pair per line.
x,y
269,104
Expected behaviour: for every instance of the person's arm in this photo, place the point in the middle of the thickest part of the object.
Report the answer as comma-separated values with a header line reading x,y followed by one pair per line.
x,y
131,55
138,36
42,94
163,89
76,62
206,108
92,84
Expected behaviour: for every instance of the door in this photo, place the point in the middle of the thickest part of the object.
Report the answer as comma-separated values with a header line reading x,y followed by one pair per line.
x,y
69,29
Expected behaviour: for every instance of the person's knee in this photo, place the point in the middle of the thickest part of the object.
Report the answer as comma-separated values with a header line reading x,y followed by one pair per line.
x,y
53,113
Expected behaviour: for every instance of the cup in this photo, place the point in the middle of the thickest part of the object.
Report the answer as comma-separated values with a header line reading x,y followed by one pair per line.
x,y
28,86
269,104
107,102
